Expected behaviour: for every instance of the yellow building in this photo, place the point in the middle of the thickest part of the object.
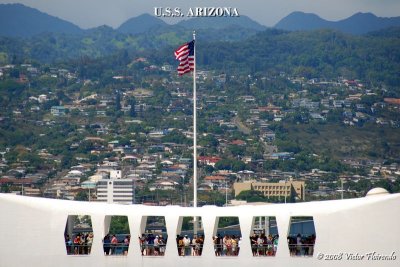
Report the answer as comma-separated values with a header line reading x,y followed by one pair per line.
x,y
280,189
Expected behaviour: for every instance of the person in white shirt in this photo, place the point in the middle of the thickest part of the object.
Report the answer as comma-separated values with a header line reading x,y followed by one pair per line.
x,y
156,246
186,245
299,244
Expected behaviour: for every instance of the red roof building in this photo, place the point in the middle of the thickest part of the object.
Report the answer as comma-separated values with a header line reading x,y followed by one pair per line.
x,y
206,160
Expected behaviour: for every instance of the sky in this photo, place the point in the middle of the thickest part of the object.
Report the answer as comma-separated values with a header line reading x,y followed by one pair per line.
x,y
93,13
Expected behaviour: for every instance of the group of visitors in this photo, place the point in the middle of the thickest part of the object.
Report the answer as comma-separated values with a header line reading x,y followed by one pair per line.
x,y
190,247
227,245
80,244
113,246
152,245
263,245
301,246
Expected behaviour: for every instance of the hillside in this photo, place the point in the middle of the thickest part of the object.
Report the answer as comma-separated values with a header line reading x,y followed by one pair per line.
x,y
326,53
221,23
17,20
141,24
365,142
359,23
22,21
374,57
299,21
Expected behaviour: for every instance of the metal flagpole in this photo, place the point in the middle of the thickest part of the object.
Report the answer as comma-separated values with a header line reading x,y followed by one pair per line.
x,y
195,226
194,127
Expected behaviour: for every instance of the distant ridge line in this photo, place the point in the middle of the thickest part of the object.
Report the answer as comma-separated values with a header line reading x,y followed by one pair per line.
x,y
359,23
18,20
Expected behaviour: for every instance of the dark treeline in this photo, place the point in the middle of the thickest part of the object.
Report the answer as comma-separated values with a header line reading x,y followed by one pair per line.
x,y
373,58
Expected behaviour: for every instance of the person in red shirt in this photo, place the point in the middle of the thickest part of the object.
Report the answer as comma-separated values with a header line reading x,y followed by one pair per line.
x,y
114,244
77,243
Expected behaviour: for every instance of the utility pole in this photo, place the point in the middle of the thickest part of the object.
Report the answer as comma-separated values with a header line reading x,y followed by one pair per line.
x,y
134,191
341,180
285,189
226,193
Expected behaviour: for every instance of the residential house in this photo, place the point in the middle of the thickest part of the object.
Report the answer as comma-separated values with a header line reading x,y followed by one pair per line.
x,y
206,160
215,180
58,111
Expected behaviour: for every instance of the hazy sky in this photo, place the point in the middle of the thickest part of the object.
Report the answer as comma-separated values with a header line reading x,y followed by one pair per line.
x,y
92,13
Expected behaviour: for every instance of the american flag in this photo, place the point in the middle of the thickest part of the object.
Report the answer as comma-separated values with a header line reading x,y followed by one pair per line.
x,y
185,54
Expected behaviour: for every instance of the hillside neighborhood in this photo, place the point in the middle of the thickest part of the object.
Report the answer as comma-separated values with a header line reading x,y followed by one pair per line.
x,y
137,132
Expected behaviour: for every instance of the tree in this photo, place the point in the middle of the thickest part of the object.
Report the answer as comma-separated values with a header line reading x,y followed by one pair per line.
x,y
363,186
212,198
230,164
334,116
117,101
82,196
3,58
11,88
208,141
5,188
236,150
158,166
251,196
14,73
266,116
369,100
132,103
288,146
386,184
175,137
208,169
119,225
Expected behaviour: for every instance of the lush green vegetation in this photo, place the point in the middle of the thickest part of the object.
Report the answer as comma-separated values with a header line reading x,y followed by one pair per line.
x,y
257,196
325,53
339,141
119,225
268,66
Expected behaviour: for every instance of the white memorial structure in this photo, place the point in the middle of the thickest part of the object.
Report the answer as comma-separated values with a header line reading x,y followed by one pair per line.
x,y
352,232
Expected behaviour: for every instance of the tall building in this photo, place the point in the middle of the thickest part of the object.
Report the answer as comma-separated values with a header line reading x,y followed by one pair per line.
x,y
281,189
115,191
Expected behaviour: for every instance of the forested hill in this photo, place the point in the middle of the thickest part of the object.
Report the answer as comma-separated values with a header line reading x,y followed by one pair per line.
x,y
321,53
22,21
359,23
103,41
312,54
142,24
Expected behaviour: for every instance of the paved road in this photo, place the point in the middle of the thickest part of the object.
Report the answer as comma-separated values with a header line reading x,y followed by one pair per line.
x,y
241,126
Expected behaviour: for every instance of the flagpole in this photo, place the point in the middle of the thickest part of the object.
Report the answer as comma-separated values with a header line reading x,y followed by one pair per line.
x,y
195,220
194,127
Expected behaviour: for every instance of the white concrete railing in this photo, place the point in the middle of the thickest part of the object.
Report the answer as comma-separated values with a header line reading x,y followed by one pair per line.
x,y
34,231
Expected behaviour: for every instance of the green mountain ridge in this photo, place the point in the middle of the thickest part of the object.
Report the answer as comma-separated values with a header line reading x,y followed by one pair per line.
x,y
321,53
141,24
17,20
22,21
374,57
359,23
221,23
